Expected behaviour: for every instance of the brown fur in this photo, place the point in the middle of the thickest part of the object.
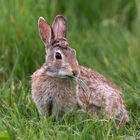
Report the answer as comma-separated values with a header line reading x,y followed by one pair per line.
x,y
51,90
46,90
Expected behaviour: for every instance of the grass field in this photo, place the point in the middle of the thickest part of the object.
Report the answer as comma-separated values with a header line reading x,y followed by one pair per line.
x,y
106,35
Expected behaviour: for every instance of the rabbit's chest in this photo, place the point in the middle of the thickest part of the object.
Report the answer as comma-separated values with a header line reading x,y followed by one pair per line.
x,y
53,96
61,96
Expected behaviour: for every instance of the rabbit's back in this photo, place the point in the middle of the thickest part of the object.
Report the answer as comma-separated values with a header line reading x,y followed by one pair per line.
x,y
98,94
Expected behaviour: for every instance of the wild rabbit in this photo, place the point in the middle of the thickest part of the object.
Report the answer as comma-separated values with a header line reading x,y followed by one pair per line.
x,y
51,89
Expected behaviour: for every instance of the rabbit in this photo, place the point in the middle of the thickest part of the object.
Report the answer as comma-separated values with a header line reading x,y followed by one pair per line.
x,y
51,89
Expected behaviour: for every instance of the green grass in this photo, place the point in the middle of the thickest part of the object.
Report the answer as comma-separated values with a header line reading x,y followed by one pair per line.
x,y
106,35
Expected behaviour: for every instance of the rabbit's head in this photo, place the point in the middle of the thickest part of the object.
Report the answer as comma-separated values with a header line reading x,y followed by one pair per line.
x,y
61,60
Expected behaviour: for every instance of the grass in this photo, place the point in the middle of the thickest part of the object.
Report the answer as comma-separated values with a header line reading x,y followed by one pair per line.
x,y
106,36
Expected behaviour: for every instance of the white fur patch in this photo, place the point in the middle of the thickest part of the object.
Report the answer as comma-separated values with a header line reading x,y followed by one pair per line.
x,y
52,74
62,73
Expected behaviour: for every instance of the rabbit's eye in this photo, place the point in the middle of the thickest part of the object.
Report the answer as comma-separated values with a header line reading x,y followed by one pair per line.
x,y
58,55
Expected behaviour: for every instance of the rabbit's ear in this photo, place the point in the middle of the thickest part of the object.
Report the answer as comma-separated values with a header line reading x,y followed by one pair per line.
x,y
59,27
45,31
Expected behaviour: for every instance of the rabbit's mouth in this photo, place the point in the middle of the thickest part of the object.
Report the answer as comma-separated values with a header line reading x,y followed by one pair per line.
x,y
71,74
62,74
58,74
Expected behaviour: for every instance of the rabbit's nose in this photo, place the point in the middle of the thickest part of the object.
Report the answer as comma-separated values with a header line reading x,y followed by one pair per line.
x,y
75,72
